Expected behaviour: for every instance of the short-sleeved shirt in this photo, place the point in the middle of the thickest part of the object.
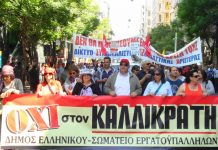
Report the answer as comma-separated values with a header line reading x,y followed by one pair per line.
x,y
164,89
175,84
141,74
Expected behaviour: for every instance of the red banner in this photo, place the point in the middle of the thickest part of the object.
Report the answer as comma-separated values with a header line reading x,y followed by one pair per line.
x,y
81,101
105,121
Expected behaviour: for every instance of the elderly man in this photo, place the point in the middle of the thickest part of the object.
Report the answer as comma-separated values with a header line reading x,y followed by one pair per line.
x,y
122,82
145,75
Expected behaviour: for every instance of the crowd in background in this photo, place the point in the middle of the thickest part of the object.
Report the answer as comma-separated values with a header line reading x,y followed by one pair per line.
x,y
101,78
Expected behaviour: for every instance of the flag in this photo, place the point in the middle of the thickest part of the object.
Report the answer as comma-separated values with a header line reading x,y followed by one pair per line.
x,y
104,45
146,45
163,52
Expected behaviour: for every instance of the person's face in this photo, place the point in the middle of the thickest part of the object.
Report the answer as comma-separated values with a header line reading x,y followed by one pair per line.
x,y
106,63
86,78
174,72
136,71
157,76
200,75
48,76
194,78
95,63
147,66
124,68
72,73
7,78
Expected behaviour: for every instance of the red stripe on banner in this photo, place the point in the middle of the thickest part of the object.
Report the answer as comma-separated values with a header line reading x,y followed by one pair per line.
x,y
147,132
81,101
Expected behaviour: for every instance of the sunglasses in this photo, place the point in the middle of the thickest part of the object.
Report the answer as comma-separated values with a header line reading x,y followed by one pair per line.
x,y
157,74
196,76
72,73
51,74
6,76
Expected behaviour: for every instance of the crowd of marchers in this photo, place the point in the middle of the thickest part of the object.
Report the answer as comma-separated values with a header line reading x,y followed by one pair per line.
x,y
103,79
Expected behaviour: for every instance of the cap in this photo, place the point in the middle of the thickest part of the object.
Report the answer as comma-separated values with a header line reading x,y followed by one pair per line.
x,y
126,61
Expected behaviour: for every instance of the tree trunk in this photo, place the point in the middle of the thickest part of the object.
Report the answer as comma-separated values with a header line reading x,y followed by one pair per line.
x,y
25,49
54,59
216,47
5,51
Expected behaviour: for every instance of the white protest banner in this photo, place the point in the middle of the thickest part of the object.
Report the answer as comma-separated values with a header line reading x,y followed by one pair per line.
x,y
188,55
85,47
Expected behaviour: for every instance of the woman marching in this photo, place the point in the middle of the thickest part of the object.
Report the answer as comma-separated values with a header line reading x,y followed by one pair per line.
x,y
10,84
158,87
192,87
87,87
49,86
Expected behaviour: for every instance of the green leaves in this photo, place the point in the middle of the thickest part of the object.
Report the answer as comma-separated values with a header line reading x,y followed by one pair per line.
x,y
196,16
49,20
162,38
200,18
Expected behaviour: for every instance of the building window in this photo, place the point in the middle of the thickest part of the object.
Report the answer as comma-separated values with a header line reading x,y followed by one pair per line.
x,y
149,13
167,16
159,6
167,6
149,22
159,18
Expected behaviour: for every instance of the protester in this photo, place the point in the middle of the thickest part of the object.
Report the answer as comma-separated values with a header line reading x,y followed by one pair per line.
x,y
167,72
95,64
191,87
64,74
207,84
18,70
145,75
104,73
174,80
10,84
60,69
215,70
210,73
42,71
72,79
33,78
135,69
123,82
49,86
87,87
181,76
158,87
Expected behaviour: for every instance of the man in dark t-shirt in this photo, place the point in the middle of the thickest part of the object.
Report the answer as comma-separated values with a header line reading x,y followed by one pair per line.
x,y
174,80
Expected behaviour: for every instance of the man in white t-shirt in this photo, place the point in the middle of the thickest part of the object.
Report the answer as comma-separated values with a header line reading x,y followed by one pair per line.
x,y
123,83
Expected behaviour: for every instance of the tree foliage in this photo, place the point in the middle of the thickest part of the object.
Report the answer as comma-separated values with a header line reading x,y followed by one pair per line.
x,y
162,38
200,18
102,28
48,20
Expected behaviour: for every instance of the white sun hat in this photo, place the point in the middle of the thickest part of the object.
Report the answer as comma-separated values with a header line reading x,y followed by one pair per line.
x,y
86,71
